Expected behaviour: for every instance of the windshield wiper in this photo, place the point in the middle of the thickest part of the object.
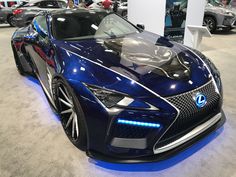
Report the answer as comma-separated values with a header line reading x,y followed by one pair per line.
x,y
111,35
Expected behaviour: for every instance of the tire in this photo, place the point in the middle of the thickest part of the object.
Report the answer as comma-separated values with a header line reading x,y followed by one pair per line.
x,y
210,23
17,62
228,29
124,14
79,136
11,21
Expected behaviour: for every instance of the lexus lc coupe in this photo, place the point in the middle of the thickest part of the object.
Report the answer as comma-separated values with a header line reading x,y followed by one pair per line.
x,y
122,94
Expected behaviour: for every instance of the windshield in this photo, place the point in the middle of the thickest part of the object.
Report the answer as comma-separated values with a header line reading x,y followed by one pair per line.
x,y
87,25
215,2
233,3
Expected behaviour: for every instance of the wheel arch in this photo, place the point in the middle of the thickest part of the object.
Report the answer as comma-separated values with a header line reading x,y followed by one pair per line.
x,y
211,15
60,76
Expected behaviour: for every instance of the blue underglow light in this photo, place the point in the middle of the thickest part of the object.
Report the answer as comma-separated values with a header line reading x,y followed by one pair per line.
x,y
135,123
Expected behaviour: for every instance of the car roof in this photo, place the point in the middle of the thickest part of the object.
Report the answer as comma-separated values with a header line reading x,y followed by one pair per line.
x,y
75,10
35,1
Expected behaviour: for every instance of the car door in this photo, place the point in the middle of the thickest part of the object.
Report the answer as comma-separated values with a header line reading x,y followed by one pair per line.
x,y
41,50
4,12
1,13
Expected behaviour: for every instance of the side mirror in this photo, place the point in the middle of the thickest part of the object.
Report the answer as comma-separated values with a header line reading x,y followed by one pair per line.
x,y
141,26
31,38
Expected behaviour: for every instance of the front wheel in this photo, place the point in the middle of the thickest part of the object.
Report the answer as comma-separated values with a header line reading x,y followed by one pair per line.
x,y
210,23
71,113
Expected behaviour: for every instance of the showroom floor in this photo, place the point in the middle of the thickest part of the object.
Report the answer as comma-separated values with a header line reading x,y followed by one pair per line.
x,y
32,141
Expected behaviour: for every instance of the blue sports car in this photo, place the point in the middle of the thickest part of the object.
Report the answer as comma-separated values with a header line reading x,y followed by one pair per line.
x,y
123,94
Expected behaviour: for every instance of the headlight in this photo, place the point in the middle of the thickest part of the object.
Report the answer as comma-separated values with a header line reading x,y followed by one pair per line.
x,y
110,98
229,13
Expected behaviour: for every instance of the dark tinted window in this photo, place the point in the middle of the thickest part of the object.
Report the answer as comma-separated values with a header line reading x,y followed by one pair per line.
x,y
2,3
22,3
85,25
52,4
11,3
29,4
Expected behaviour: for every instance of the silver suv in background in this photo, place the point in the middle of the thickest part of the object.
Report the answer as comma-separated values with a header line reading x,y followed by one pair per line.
x,y
25,14
218,17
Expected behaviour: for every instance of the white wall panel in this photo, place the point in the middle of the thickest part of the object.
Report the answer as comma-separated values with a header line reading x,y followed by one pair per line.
x,y
151,13
195,13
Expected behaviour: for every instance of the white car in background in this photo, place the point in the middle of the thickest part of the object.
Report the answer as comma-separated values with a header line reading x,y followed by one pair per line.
x,y
218,17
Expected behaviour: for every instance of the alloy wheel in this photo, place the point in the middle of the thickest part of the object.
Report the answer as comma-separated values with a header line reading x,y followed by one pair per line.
x,y
69,117
209,22
12,21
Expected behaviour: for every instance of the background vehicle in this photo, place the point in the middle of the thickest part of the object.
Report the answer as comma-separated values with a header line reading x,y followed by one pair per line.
x,y
232,6
123,9
24,14
123,94
6,8
9,3
217,17
6,15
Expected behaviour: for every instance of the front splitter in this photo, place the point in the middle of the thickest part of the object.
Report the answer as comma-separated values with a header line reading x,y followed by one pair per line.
x,y
161,156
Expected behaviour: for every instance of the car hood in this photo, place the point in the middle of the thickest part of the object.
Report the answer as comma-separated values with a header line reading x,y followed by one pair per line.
x,y
165,67
217,9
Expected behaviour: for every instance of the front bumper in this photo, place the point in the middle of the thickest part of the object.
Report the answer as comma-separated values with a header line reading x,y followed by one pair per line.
x,y
228,21
172,148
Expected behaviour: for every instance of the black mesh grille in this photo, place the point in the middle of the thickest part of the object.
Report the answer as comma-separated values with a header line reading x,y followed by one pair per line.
x,y
126,131
190,115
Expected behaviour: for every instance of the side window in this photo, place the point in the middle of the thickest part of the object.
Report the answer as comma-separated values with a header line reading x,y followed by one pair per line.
x,y
11,3
2,3
49,4
40,25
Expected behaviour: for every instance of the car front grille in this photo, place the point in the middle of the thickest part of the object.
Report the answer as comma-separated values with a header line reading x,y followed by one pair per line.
x,y
126,131
190,115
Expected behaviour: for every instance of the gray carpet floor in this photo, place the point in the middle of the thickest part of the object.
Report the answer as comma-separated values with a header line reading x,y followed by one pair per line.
x,y
33,143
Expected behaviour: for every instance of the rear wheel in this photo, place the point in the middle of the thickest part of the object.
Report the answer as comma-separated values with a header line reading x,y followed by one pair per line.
x,y
11,21
210,23
124,14
72,117
17,62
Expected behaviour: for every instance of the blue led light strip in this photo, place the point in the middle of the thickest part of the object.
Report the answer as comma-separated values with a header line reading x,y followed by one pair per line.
x,y
135,123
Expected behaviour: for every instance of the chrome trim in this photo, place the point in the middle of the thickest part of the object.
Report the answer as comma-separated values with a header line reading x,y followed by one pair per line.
x,y
195,132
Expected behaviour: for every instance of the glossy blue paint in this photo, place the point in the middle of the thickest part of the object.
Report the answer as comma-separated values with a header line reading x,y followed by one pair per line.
x,y
134,65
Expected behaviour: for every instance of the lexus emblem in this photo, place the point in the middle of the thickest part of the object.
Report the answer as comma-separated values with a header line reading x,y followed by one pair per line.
x,y
200,100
